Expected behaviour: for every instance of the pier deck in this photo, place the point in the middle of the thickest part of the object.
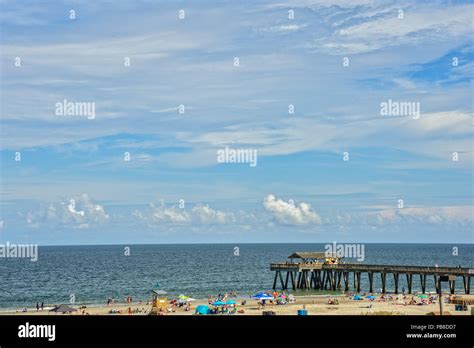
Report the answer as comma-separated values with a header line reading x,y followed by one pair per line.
x,y
323,276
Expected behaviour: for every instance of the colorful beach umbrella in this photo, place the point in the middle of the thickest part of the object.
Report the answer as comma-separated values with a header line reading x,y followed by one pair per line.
x,y
182,297
422,296
230,302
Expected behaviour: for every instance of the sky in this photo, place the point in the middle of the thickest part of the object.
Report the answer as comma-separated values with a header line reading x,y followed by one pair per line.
x,y
299,85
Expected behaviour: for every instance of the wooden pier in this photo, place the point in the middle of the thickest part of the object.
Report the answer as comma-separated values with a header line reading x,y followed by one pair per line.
x,y
312,273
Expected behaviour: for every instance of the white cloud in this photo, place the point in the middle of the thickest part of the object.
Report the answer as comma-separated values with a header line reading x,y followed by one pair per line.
x,y
200,214
449,122
77,212
290,214
208,215
381,28
424,215
173,214
285,28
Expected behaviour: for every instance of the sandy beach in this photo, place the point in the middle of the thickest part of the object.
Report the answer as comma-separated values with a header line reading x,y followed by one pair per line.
x,y
314,304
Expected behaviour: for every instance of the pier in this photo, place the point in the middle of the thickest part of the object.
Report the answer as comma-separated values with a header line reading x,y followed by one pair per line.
x,y
317,271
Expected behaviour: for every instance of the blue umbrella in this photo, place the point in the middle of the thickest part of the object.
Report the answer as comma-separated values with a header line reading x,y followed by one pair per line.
x,y
263,296
218,303
370,297
261,293
230,302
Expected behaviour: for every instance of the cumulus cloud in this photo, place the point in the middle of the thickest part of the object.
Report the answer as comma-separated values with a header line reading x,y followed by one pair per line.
x,y
290,214
199,214
207,215
77,212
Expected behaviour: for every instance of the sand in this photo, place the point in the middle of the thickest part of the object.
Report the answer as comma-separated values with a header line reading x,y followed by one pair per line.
x,y
314,304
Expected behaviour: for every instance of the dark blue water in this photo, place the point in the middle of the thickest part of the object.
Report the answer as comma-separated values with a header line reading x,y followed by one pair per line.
x,y
94,273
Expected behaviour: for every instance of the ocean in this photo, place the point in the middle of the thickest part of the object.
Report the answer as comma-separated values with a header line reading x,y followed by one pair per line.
x,y
91,274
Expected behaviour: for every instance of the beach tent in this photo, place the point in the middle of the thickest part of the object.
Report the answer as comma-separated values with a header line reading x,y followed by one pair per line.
x,y
370,297
357,298
202,309
63,309
218,303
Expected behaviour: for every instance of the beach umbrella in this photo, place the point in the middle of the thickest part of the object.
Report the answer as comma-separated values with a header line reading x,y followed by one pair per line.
x,y
218,303
160,292
261,293
189,299
182,297
422,296
370,297
202,309
281,296
263,296
230,302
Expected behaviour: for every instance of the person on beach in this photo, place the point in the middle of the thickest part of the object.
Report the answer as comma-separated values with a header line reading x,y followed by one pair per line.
x,y
37,306
42,305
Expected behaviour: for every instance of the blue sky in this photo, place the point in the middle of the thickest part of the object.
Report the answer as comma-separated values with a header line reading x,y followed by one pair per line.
x,y
301,190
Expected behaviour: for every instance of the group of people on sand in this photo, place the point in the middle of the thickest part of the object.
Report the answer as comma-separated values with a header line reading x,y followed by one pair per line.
x,y
400,299
221,297
279,298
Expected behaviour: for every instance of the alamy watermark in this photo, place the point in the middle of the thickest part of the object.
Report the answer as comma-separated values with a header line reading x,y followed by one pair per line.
x,y
400,108
69,108
28,330
29,251
229,155
352,251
